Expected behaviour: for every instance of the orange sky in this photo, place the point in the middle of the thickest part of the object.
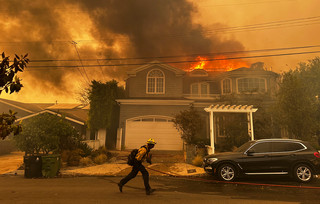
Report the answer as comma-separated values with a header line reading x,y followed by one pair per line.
x,y
211,15
233,13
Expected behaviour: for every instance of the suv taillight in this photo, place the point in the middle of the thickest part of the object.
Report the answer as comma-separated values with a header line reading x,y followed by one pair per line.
x,y
317,154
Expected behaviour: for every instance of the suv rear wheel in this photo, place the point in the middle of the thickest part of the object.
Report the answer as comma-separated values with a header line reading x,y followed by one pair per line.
x,y
226,172
302,173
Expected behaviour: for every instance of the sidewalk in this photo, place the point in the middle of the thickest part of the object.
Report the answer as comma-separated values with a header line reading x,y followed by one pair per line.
x,y
165,164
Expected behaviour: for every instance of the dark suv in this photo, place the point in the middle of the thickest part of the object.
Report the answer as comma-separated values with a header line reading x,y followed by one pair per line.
x,y
266,157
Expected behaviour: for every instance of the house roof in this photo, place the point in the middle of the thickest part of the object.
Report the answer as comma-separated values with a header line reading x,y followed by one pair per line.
x,y
73,112
63,106
52,112
159,64
26,107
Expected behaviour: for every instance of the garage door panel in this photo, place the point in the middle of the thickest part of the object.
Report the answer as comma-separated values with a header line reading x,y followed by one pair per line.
x,y
164,133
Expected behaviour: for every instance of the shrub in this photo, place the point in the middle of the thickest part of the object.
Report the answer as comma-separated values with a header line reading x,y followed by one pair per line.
x,y
74,157
65,155
46,133
103,150
197,161
100,159
87,151
86,161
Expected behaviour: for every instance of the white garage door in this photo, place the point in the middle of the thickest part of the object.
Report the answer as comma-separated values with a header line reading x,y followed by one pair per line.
x,y
161,129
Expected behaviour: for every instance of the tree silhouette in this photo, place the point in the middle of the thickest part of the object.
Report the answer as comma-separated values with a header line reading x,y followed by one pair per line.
x,y
10,83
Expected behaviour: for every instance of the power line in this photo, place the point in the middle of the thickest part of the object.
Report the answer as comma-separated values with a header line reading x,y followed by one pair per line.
x,y
271,23
176,62
75,46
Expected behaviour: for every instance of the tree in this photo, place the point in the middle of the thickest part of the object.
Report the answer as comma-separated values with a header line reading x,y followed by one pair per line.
x,y
189,123
104,110
10,83
47,133
298,105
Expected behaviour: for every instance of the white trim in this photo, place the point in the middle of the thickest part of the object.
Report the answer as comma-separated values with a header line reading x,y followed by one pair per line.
x,y
255,92
153,102
155,82
227,109
177,71
199,73
151,116
16,106
51,112
231,108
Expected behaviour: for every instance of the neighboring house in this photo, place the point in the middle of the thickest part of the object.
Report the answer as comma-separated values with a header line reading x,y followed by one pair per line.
x,y
157,92
76,114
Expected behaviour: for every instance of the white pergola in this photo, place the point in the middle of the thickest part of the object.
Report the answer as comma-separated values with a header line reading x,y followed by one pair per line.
x,y
229,109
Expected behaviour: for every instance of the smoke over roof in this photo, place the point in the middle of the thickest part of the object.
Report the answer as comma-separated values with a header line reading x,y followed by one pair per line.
x,y
102,29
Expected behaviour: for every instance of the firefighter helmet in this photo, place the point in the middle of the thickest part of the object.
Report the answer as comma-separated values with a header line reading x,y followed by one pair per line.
x,y
151,141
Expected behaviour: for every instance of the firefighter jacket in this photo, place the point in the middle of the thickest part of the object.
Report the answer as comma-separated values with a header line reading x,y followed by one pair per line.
x,y
143,153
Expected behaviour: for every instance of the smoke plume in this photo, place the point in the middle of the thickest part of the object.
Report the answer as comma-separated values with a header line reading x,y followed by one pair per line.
x,y
100,29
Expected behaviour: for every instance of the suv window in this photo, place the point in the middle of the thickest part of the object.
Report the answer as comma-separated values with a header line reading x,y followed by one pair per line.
x,y
286,146
262,147
295,146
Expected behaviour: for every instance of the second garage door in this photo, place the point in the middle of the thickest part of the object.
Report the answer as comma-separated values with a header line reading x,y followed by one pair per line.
x,y
161,129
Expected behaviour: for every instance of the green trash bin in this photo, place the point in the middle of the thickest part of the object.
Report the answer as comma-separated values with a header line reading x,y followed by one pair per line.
x,y
51,165
32,166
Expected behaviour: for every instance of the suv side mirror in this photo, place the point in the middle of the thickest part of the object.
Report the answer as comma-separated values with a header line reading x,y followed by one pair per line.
x,y
250,152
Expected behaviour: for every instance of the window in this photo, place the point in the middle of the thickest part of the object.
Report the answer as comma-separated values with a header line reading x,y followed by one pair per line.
x,y
155,82
263,147
200,89
226,86
251,85
151,119
221,126
286,146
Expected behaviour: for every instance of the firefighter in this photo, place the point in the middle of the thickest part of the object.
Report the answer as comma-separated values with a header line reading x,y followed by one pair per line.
x,y
142,155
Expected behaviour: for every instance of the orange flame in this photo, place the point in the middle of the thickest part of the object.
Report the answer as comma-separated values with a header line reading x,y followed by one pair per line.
x,y
218,63
200,64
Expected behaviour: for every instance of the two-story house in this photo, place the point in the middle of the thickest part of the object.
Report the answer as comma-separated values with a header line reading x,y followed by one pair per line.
x,y
157,92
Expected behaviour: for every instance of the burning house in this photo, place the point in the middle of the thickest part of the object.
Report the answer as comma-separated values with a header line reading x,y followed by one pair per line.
x,y
157,92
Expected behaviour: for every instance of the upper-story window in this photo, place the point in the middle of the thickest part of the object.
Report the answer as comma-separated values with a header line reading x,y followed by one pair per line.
x,y
226,86
251,85
200,89
155,82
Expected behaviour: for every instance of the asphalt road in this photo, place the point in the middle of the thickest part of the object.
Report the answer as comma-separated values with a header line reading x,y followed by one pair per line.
x,y
16,189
